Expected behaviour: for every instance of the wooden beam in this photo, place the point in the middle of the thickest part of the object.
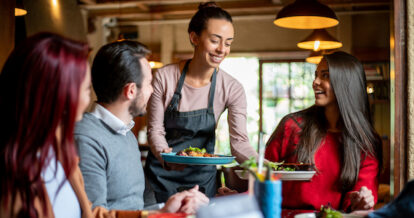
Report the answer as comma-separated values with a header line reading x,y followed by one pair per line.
x,y
109,5
88,2
226,4
143,7
186,19
399,103
187,12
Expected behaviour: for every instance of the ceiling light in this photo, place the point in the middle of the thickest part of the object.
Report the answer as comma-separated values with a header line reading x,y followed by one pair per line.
x,y
19,9
315,57
155,64
319,39
19,12
306,14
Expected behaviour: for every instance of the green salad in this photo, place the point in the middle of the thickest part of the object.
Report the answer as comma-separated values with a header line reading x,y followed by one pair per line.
x,y
277,166
202,150
328,212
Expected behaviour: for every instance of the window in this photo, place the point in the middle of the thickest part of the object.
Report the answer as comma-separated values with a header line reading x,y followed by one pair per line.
x,y
287,87
246,71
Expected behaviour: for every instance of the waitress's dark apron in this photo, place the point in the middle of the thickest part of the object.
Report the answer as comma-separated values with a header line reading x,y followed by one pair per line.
x,y
185,129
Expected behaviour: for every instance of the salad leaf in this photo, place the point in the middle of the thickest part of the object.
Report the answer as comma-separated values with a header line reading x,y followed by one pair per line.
x,y
328,212
250,163
195,149
276,165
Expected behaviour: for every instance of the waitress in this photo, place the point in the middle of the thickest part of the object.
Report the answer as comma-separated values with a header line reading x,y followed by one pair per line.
x,y
188,99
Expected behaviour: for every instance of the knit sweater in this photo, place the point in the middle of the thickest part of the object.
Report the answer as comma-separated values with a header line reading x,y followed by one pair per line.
x,y
324,188
110,164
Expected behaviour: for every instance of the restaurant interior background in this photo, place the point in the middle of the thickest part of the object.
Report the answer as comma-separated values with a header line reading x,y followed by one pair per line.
x,y
264,57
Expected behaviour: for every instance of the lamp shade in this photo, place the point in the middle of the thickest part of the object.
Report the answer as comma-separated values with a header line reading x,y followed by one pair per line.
x,y
19,12
315,57
306,14
156,64
19,9
319,39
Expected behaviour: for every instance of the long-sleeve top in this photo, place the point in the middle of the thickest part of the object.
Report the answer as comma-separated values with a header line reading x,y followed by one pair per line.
x,y
324,187
110,161
229,94
77,183
63,198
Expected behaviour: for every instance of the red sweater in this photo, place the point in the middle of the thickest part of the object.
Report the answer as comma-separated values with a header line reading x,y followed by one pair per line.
x,y
324,187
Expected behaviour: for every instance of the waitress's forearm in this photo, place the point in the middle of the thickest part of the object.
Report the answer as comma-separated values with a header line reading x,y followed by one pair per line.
x,y
242,151
239,140
156,110
157,142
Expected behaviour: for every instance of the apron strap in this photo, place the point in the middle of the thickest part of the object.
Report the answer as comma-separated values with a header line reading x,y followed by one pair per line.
x,y
173,106
212,90
177,94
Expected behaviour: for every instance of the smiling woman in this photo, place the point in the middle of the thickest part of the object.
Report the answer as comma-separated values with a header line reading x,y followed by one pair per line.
x,y
335,134
188,99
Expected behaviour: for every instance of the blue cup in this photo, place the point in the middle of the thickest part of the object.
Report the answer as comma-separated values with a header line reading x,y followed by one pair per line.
x,y
269,197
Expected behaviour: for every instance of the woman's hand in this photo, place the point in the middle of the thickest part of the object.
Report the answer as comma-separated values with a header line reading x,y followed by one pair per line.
x,y
171,166
362,199
186,201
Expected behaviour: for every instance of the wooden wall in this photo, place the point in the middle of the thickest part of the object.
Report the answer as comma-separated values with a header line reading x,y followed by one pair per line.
x,y
6,29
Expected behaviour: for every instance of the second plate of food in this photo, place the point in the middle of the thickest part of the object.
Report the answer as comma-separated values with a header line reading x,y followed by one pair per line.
x,y
284,175
218,160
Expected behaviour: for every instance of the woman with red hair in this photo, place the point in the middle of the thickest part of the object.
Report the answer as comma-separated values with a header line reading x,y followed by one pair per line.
x,y
44,89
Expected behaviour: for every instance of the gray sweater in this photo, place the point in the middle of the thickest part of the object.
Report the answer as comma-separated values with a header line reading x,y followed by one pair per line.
x,y
110,164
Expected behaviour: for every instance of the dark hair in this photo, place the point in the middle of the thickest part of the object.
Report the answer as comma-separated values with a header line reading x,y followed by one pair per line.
x,y
205,12
39,94
347,78
115,65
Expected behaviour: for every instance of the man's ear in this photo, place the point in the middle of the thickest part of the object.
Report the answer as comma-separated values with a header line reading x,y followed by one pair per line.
x,y
130,91
194,38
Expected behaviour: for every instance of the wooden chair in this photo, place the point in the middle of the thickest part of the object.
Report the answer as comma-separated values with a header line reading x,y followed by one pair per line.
x,y
233,181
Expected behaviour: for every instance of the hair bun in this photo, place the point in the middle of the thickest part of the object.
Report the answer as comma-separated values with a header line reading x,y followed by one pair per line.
x,y
207,5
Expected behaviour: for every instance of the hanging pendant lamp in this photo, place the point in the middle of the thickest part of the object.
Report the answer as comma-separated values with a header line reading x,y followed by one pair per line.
x,y
306,14
19,9
315,57
319,39
156,64
19,12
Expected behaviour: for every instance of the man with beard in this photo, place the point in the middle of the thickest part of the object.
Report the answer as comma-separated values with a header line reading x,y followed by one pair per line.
x,y
110,160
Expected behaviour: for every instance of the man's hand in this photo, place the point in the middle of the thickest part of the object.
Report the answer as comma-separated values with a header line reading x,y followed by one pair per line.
x,y
187,202
362,199
171,166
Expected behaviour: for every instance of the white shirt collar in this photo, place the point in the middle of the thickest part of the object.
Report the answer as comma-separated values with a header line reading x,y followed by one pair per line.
x,y
111,120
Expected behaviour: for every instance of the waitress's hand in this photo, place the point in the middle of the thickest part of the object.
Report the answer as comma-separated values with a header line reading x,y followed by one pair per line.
x,y
171,166
362,199
223,191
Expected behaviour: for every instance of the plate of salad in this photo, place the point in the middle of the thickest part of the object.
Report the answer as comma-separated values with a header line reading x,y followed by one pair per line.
x,y
284,171
196,156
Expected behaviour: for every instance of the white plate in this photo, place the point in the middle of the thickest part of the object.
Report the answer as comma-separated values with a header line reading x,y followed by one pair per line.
x,y
313,215
345,215
285,175
305,215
